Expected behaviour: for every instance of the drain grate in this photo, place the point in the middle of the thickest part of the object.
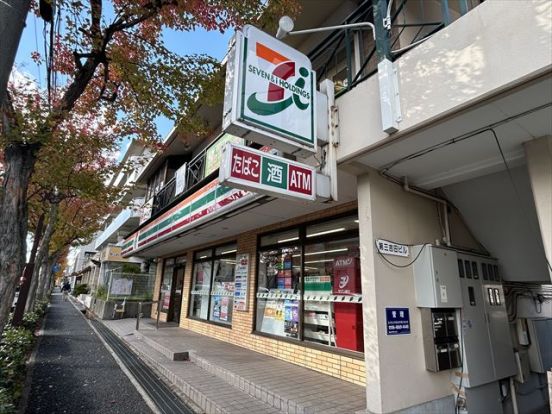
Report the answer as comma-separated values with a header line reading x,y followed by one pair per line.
x,y
162,396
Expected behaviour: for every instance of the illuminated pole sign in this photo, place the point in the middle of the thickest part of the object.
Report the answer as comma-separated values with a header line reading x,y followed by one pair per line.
x,y
270,93
260,172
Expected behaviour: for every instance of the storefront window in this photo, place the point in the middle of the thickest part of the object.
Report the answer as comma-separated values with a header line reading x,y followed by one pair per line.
x,y
309,288
213,284
278,291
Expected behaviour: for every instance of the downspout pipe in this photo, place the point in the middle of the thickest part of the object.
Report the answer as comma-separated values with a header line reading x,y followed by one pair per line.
x,y
441,201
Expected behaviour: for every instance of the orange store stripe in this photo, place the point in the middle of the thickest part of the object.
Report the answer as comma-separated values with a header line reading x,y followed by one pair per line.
x,y
270,55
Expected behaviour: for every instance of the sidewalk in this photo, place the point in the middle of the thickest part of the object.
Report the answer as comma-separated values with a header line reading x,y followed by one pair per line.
x,y
74,373
221,377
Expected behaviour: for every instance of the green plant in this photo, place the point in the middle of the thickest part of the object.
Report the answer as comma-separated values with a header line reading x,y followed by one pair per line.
x,y
6,401
40,306
81,290
30,320
130,268
101,292
15,345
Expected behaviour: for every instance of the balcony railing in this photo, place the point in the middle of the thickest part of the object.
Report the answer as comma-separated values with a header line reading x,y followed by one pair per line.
x,y
194,175
350,56
163,197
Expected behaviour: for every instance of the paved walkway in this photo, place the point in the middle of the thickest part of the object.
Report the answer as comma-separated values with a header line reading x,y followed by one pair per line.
x,y
215,366
73,371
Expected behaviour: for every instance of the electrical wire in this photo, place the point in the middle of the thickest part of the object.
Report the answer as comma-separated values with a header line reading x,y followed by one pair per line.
x,y
396,265
462,137
461,340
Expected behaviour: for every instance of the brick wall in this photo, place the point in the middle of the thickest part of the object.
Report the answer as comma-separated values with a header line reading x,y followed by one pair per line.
x,y
346,368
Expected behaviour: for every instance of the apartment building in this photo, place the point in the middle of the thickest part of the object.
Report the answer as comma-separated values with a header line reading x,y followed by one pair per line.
x,y
427,280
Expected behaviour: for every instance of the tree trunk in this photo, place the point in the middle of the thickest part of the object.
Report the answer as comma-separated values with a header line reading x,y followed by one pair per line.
x,y
42,279
12,21
19,161
42,254
27,275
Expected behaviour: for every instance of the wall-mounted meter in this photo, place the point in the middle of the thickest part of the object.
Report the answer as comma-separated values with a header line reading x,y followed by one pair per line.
x,y
441,344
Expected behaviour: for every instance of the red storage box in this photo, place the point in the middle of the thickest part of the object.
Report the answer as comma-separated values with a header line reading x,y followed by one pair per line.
x,y
348,326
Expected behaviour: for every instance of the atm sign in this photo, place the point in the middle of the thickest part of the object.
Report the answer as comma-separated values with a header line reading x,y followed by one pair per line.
x,y
264,173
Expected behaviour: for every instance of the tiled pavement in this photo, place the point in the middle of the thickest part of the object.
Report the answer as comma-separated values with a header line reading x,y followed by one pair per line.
x,y
221,377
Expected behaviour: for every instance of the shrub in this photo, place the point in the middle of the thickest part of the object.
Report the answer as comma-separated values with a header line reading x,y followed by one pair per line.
x,y
15,345
40,306
101,292
81,290
6,401
30,320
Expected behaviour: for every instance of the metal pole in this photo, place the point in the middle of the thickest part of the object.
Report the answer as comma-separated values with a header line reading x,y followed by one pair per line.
x,y
158,314
138,316
12,21
383,48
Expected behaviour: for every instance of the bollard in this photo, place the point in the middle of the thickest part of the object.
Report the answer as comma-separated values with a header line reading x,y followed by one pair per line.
x,y
138,316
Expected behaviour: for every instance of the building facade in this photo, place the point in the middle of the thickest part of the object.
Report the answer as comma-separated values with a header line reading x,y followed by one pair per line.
x,y
428,280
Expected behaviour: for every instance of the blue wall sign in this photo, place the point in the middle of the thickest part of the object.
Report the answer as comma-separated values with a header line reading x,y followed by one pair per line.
x,y
397,321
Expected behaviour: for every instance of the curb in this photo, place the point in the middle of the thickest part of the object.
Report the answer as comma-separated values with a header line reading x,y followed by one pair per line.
x,y
30,364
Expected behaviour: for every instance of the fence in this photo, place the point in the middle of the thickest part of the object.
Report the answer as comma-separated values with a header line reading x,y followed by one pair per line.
x,y
130,286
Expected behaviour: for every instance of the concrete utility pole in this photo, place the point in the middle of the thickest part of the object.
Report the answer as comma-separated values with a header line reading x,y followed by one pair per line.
x,y
12,21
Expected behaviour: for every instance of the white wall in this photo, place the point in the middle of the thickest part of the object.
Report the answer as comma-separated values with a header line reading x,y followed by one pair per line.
x,y
395,365
505,224
496,46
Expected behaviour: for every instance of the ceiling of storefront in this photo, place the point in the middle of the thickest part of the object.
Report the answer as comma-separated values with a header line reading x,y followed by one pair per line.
x,y
477,155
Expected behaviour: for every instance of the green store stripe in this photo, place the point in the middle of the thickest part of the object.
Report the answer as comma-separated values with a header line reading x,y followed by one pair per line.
x,y
186,210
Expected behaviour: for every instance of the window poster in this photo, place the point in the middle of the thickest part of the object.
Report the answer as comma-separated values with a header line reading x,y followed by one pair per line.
x,y
241,281
291,318
224,308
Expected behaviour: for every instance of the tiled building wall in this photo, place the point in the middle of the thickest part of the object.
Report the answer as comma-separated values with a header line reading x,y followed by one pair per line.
x,y
336,365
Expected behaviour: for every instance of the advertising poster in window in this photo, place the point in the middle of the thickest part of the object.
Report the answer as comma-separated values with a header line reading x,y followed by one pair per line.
x,y
291,318
241,282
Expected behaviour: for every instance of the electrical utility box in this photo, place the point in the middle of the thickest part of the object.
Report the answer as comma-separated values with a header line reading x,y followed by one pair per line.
x,y
485,335
436,277
441,344
540,350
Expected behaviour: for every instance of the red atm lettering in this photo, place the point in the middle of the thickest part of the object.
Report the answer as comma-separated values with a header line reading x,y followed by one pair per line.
x,y
300,180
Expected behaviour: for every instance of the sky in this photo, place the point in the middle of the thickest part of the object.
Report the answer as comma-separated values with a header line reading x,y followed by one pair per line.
x,y
212,43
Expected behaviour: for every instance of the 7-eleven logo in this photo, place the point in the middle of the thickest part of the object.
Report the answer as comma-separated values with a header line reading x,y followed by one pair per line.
x,y
278,83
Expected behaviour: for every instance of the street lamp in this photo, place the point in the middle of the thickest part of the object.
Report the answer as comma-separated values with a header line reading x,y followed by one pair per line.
x,y
285,27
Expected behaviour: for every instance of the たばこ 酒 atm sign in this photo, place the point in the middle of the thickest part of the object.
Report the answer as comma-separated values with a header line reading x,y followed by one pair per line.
x,y
270,91
257,171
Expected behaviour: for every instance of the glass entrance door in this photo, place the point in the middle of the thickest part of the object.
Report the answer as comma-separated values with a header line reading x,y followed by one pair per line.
x,y
178,286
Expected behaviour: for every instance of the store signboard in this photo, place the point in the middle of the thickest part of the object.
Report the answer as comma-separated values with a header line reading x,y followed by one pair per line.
x,y
213,155
264,173
397,321
241,278
270,93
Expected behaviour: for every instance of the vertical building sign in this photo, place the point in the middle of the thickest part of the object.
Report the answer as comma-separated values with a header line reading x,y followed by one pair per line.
x,y
270,93
241,277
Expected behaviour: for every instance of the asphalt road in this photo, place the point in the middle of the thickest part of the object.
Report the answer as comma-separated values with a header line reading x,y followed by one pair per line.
x,y
73,371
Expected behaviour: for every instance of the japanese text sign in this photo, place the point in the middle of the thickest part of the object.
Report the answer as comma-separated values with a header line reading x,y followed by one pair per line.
x,y
264,173
397,321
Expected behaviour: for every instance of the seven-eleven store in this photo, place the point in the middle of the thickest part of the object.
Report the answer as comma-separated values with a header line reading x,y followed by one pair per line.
x,y
258,271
